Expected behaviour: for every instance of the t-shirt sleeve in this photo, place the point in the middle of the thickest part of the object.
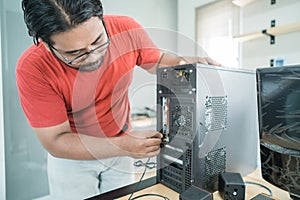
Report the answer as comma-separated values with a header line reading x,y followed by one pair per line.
x,y
42,106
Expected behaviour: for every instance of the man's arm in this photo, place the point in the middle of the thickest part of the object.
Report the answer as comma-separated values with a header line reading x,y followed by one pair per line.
x,y
168,59
61,142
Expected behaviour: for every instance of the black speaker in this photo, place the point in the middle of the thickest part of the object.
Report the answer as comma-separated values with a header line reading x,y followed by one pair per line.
x,y
231,186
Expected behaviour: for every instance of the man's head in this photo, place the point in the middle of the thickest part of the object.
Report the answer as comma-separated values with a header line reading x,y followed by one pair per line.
x,y
73,30
45,18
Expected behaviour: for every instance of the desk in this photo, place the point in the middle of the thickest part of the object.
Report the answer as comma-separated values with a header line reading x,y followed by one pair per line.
x,y
157,188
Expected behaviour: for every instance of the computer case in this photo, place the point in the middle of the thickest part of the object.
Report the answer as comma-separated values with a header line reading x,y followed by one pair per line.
x,y
278,91
208,117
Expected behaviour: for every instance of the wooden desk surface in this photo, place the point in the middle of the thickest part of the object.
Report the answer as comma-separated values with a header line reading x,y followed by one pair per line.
x,y
251,190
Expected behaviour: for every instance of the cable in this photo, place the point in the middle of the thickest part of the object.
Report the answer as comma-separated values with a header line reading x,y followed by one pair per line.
x,y
261,185
140,179
148,165
144,195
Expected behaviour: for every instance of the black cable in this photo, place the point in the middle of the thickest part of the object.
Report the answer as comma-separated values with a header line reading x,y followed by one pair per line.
x,y
144,195
148,165
139,180
261,185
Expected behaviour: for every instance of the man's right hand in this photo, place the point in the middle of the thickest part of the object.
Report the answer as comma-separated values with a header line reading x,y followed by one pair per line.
x,y
139,144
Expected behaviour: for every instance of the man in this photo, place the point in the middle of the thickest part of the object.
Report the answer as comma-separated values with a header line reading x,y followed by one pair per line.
x,y
73,87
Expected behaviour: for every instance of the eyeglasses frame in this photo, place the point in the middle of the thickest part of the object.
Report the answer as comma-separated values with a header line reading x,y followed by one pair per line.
x,y
69,62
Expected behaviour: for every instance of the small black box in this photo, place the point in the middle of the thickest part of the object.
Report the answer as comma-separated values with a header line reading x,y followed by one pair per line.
x,y
231,186
195,193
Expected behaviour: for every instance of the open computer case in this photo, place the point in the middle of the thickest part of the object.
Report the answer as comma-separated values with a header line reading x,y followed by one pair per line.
x,y
208,117
278,90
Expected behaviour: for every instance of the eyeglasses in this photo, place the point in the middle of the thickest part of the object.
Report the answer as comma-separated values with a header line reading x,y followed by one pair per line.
x,y
76,61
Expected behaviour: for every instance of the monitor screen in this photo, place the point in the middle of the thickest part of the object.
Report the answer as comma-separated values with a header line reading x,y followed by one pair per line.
x,y
279,105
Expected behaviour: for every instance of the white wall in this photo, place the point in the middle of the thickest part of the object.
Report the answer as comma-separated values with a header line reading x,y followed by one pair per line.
x,y
153,13
2,155
254,17
257,53
187,21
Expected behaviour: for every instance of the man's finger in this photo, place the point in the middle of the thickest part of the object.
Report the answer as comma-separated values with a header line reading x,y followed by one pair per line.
x,y
212,62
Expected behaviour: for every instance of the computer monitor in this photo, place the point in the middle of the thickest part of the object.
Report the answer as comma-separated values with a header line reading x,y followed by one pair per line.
x,y
278,91
208,116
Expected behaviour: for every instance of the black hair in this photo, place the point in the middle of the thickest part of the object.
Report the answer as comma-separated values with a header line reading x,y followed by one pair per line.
x,y
45,18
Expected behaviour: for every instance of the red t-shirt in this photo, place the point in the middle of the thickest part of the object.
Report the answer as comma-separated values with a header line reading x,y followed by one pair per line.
x,y
95,103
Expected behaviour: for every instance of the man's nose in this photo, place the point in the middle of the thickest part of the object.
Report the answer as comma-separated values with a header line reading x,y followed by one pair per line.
x,y
89,48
